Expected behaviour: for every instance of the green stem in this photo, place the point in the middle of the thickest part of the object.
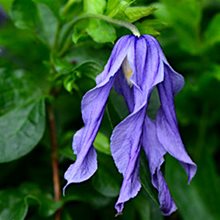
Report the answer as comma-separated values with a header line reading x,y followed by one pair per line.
x,y
125,24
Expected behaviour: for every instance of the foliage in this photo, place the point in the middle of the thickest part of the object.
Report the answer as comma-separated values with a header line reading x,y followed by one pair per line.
x,y
47,59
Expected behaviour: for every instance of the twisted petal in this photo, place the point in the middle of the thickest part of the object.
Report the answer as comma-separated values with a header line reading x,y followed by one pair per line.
x,y
93,104
125,141
166,123
155,153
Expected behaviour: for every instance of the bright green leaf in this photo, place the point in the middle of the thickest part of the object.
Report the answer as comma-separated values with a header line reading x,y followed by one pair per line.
x,y
102,143
94,6
112,7
135,13
101,32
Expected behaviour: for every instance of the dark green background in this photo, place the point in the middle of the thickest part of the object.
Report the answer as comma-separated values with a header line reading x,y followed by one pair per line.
x,y
45,60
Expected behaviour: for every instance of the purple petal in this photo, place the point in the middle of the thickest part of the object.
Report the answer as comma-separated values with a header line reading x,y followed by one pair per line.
x,y
146,64
93,105
131,182
143,58
177,79
155,153
118,55
125,147
167,128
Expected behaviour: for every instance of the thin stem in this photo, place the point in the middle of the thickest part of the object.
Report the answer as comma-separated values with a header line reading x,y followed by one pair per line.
x,y
125,24
54,158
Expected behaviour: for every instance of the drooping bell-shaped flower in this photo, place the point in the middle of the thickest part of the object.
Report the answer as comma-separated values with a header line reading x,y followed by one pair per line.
x,y
136,66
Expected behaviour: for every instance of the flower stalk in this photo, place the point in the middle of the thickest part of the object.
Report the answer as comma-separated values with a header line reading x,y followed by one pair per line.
x,y
54,158
121,23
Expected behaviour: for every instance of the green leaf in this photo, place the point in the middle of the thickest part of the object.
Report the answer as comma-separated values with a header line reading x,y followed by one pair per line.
x,y
102,144
101,32
116,8
94,6
48,26
79,31
88,69
30,15
212,34
151,26
203,192
12,205
135,13
32,192
22,117
84,192
24,14
185,19
103,180
112,7
53,5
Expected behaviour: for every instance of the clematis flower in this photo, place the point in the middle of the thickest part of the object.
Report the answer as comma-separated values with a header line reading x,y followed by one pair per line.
x,y
136,66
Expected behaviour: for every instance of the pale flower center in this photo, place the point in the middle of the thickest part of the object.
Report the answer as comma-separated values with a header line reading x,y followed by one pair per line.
x,y
127,71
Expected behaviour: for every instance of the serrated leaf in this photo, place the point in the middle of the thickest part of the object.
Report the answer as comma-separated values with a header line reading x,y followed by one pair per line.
x,y
22,118
135,13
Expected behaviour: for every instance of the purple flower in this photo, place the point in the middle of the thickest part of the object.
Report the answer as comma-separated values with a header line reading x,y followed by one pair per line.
x,y
135,67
